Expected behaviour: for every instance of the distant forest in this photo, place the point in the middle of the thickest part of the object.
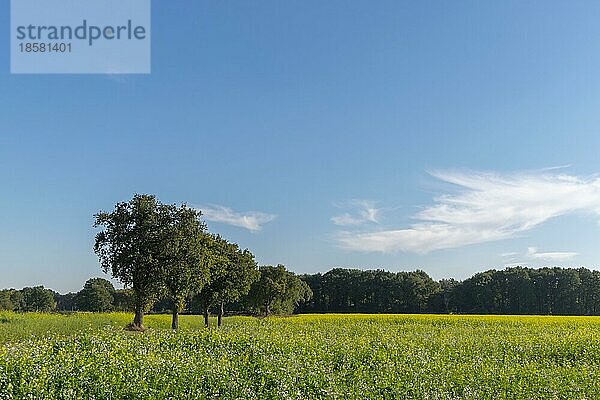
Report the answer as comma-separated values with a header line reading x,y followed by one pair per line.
x,y
544,291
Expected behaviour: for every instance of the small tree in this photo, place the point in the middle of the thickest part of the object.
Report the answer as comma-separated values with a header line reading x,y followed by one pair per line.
x,y
129,247
277,291
242,272
217,262
96,295
232,273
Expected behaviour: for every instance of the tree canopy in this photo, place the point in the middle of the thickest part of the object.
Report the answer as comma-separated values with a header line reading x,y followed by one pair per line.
x,y
277,291
184,256
153,248
38,299
97,295
232,272
129,247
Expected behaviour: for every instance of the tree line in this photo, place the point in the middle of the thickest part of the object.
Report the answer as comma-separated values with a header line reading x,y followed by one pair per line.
x,y
276,291
97,295
543,291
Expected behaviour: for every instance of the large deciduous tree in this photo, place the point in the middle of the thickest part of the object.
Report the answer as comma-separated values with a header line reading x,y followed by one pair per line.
x,y
129,247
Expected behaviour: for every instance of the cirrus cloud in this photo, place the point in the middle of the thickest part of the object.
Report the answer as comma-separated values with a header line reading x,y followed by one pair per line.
x,y
251,220
533,253
365,212
486,207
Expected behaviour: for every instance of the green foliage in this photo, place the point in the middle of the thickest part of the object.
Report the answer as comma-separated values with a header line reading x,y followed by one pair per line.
x,y
543,291
11,300
354,290
97,295
5,302
17,300
123,300
38,299
183,255
304,357
277,291
130,246
560,291
66,302
232,272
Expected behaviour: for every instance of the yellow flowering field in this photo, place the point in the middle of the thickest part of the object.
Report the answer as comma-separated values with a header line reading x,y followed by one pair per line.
x,y
90,356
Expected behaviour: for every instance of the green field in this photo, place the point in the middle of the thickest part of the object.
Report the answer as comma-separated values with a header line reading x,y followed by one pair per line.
x,y
85,356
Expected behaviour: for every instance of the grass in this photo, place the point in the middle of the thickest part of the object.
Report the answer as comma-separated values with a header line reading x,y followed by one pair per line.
x,y
16,327
310,356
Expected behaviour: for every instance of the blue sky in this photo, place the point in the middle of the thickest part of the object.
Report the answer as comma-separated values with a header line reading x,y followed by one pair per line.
x,y
451,137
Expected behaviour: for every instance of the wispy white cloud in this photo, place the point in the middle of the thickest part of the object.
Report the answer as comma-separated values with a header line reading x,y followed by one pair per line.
x,y
533,256
251,220
485,207
346,220
533,253
364,211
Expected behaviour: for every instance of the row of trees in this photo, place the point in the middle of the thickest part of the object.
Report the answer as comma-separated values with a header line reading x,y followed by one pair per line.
x,y
560,291
164,250
35,298
97,295
354,290
274,290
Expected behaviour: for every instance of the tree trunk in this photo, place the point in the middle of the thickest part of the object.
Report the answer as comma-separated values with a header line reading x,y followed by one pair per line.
x,y
138,320
220,316
206,317
175,321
